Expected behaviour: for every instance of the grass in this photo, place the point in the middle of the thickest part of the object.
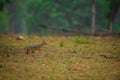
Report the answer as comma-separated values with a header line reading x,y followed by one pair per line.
x,y
64,58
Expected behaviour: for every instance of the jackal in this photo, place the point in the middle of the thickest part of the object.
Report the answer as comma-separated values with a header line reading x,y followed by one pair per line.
x,y
32,49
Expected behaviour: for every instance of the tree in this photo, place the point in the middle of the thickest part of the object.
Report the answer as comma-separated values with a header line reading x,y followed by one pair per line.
x,y
93,17
114,7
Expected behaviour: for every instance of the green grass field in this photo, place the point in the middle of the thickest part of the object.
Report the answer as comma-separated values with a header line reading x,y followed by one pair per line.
x,y
64,58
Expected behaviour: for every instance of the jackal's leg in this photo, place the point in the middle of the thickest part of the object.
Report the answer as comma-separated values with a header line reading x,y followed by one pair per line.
x,y
28,51
39,50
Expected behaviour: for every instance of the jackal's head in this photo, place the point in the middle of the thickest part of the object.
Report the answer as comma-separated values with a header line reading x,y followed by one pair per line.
x,y
43,43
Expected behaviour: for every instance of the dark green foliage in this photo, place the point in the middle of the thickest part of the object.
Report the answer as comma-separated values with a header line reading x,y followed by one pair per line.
x,y
3,22
4,18
1,6
29,15
57,14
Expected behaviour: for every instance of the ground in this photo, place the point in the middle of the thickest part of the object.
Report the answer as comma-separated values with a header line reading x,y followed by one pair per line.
x,y
64,58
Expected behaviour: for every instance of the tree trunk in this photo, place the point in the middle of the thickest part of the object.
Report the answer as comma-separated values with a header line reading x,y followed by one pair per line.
x,y
12,20
111,24
17,19
93,17
114,7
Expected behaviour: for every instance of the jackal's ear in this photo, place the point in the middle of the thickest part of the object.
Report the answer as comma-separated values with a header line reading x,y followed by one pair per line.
x,y
44,42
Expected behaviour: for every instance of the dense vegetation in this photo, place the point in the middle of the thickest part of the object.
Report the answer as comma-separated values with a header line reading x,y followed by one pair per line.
x,y
28,16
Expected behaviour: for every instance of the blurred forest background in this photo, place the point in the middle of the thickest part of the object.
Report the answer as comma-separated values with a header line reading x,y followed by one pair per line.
x,y
55,17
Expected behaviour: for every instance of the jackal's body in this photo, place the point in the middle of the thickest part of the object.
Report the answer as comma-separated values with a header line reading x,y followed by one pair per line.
x,y
32,49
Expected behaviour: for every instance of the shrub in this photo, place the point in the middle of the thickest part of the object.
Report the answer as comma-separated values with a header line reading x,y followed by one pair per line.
x,y
78,40
62,43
